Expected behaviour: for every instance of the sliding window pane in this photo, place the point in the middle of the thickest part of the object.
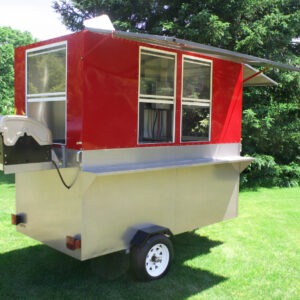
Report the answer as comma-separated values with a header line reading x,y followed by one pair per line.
x,y
46,71
195,123
196,80
156,122
157,74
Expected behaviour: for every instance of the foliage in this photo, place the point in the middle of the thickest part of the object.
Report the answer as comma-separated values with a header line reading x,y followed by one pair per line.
x,y
9,39
271,128
265,172
264,28
7,179
251,26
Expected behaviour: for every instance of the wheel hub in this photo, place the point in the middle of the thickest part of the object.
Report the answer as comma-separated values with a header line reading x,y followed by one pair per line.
x,y
157,260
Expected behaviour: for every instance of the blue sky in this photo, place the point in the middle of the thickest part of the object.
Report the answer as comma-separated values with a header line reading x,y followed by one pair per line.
x,y
35,16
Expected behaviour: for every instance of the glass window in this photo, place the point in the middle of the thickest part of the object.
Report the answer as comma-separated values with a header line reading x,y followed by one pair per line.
x,y
196,100
156,96
46,87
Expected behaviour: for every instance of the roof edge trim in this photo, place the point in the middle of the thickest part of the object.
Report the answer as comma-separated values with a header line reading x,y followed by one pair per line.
x,y
176,43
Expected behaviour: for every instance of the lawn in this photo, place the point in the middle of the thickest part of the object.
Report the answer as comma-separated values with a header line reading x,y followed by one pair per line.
x,y
256,256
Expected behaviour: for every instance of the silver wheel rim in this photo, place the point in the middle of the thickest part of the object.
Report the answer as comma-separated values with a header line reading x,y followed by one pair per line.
x,y
157,260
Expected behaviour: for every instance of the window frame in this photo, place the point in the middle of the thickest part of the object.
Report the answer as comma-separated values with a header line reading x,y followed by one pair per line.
x,y
48,97
196,101
154,99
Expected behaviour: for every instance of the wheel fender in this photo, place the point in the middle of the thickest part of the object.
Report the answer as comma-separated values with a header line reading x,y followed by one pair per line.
x,y
142,235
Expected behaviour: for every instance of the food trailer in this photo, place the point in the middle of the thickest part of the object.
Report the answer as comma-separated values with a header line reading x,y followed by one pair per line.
x,y
121,140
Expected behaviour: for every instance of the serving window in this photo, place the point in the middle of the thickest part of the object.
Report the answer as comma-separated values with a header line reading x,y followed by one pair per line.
x,y
156,96
46,87
196,99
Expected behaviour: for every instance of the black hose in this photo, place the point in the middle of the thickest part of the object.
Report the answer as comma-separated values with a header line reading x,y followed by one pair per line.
x,y
61,178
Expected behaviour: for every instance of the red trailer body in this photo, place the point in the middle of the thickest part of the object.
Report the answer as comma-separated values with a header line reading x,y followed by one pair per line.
x,y
102,92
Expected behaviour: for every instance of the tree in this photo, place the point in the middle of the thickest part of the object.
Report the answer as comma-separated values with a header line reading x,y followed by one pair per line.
x,y
263,28
9,39
271,131
251,26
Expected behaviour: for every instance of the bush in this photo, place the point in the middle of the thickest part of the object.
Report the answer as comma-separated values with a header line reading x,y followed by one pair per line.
x,y
265,172
290,176
9,178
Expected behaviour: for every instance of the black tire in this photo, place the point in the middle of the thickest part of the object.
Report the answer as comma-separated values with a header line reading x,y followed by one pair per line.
x,y
152,259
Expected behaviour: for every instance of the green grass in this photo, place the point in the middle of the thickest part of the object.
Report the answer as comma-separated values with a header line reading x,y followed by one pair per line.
x,y
256,256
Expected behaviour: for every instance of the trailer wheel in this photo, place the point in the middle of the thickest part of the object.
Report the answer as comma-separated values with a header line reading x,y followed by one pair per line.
x,y
152,259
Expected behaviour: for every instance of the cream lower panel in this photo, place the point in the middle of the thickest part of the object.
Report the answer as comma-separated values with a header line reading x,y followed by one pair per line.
x,y
205,195
181,199
106,211
52,211
116,205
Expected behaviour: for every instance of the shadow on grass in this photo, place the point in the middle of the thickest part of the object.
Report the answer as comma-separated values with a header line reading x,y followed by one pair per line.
x,y
39,272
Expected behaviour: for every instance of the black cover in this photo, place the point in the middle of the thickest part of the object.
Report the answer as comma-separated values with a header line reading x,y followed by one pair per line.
x,y
142,235
26,150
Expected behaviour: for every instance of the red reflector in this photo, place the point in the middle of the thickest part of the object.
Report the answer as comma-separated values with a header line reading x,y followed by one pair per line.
x,y
73,243
17,219
14,219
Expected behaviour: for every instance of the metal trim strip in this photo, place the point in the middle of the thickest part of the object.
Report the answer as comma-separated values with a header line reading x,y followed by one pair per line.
x,y
116,161
175,43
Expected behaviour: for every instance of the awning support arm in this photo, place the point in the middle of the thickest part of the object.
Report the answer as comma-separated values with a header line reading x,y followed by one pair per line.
x,y
256,74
